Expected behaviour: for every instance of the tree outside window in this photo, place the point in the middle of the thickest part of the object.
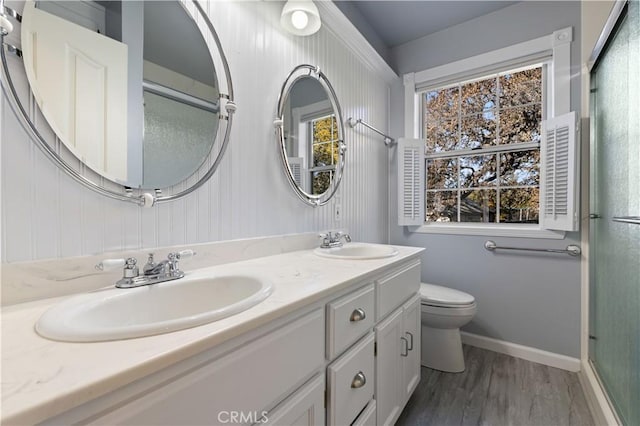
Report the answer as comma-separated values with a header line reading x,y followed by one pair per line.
x,y
325,147
483,154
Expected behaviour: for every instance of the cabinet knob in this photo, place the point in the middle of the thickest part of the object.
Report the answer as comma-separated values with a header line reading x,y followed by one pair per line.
x,y
358,380
357,315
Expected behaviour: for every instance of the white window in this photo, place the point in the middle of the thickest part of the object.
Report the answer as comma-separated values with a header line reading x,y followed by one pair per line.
x,y
487,157
483,148
325,152
313,144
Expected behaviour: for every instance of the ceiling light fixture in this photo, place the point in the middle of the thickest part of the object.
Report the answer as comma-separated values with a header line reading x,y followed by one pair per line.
x,y
300,17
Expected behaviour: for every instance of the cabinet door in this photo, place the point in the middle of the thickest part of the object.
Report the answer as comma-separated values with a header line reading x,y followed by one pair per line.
x,y
304,408
236,387
388,368
411,347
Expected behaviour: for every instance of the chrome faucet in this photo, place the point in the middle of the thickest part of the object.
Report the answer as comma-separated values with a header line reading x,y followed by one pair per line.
x,y
152,273
332,239
169,266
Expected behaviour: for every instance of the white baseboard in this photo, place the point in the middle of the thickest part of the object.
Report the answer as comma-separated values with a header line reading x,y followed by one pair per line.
x,y
519,351
597,400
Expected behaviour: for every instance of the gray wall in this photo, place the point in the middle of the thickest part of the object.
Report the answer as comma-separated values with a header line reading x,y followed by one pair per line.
x,y
532,300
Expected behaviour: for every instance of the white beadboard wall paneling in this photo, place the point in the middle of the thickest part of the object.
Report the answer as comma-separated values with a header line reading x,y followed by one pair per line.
x,y
45,235
17,189
47,215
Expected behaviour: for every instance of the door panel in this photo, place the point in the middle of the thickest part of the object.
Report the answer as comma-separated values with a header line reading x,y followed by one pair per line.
x,y
83,89
615,192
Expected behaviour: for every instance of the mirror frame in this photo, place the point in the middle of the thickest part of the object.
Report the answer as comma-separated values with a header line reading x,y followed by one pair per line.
x,y
63,158
299,72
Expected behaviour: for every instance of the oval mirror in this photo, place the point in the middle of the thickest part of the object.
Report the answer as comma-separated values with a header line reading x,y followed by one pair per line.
x,y
130,88
310,132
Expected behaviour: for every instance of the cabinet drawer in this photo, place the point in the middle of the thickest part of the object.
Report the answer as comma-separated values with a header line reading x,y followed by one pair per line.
x,y
348,318
396,287
304,408
350,382
244,382
368,416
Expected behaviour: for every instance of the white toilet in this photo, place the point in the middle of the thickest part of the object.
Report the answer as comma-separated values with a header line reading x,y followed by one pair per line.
x,y
444,311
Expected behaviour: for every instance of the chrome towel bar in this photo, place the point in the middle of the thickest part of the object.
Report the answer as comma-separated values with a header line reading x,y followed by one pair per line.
x,y
627,219
388,140
571,250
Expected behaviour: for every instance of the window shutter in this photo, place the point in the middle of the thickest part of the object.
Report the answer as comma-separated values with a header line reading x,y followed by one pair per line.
x,y
410,182
559,183
295,164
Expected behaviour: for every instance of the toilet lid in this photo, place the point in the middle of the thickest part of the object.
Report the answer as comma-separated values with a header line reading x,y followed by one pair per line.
x,y
442,296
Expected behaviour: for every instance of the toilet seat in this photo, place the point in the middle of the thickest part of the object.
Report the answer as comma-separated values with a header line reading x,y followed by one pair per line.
x,y
438,296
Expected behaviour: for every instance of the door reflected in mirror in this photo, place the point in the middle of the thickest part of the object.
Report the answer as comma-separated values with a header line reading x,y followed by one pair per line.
x,y
128,86
311,135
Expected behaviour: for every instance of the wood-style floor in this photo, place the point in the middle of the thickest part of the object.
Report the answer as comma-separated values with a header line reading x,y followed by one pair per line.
x,y
497,390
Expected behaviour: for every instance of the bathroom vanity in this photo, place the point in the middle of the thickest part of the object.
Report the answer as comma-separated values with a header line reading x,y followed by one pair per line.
x,y
337,342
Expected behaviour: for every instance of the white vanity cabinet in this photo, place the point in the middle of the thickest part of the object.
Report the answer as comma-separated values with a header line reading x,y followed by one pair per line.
x,y
350,358
398,340
236,388
410,354
397,360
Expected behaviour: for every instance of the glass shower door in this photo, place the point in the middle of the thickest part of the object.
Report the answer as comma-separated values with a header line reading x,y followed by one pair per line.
x,y
615,209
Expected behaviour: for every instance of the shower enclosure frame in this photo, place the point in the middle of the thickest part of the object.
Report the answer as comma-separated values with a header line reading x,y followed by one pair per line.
x,y
598,399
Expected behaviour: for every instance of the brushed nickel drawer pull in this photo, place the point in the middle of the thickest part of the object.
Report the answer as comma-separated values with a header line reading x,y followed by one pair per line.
x,y
410,341
357,315
358,380
406,347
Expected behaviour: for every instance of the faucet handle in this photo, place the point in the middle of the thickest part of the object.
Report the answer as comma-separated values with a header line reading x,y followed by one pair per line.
x,y
185,254
130,269
344,235
109,264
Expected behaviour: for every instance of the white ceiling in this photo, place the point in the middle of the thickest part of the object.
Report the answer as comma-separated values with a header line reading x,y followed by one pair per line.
x,y
397,22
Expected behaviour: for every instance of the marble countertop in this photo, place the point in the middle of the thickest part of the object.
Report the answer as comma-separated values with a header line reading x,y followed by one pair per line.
x,y
43,378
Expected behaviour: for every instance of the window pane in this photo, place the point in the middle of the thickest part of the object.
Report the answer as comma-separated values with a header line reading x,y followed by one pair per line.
x,y
520,168
520,124
520,88
478,96
325,143
478,130
442,174
442,206
519,205
324,154
325,129
321,182
478,171
478,205
441,104
441,135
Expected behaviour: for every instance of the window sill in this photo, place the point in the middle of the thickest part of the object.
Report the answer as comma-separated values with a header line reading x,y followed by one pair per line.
x,y
490,230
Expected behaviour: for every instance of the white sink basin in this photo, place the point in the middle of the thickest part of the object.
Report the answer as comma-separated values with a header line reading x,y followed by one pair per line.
x,y
358,251
114,314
